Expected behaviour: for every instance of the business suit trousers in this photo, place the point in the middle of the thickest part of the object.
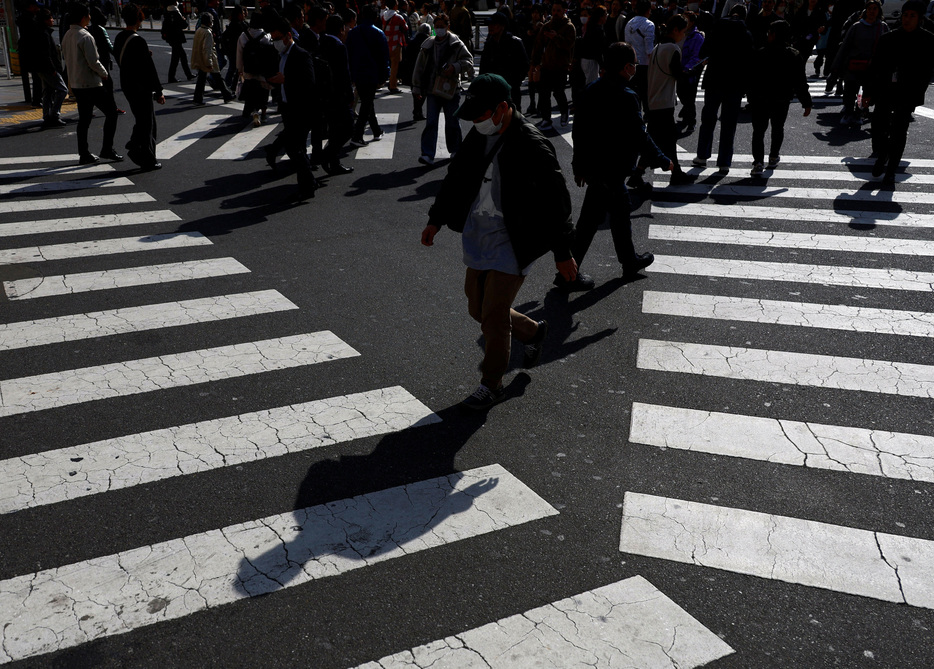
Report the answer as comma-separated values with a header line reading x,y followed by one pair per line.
x,y
297,126
178,57
890,122
88,99
726,103
142,145
601,202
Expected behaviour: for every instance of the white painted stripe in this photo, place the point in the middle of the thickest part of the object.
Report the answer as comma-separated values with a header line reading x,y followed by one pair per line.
x,y
74,202
383,148
119,379
124,462
821,160
843,559
894,455
243,143
67,284
925,112
139,587
824,275
792,240
86,222
782,214
766,192
800,369
56,171
171,147
565,133
799,314
53,186
30,160
76,327
629,623
100,247
807,175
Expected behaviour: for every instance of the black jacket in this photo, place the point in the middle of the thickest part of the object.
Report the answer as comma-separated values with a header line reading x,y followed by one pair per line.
x,y
505,57
906,57
138,74
780,76
333,51
535,199
610,151
729,47
46,58
299,82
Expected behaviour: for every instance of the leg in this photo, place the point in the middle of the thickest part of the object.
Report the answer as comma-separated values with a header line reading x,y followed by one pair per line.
x,y
296,147
850,89
760,123
199,87
593,213
452,126
881,129
901,119
779,113
178,55
708,122
430,131
395,57
729,117
561,96
105,102
142,144
366,92
218,82
545,85
618,207
85,99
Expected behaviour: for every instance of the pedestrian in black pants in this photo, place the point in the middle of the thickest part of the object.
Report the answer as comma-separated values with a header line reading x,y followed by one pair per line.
x,y
140,83
173,32
337,108
368,51
604,160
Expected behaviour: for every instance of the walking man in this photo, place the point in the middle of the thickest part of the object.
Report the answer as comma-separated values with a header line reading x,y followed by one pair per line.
x,y
505,193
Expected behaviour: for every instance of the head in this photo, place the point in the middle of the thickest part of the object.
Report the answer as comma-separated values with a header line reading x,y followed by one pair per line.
x,y
295,15
620,61
256,19
558,9
873,11
350,18
498,23
97,17
79,15
281,35
132,15
317,18
912,11
691,18
643,8
536,13
442,24
45,18
768,6
486,104
780,33
676,26
368,14
237,14
334,25
207,20
615,8
738,12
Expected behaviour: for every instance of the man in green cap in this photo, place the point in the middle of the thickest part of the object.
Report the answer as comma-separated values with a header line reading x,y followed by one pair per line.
x,y
504,191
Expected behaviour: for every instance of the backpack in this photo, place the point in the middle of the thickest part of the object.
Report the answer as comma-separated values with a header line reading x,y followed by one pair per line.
x,y
260,59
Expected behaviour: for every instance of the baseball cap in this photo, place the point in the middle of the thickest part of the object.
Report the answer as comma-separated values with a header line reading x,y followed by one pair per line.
x,y
486,91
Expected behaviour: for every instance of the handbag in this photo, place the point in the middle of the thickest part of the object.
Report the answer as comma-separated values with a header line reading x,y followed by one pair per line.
x,y
445,87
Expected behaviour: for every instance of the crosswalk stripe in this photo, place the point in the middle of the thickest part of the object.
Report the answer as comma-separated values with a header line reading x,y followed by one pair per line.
x,y
893,455
924,111
75,327
382,149
45,204
243,143
53,186
30,160
791,240
825,275
100,247
882,566
119,379
86,222
67,284
89,469
55,171
826,194
740,210
813,175
800,369
799,314
117,593
172,146
820,160
629,623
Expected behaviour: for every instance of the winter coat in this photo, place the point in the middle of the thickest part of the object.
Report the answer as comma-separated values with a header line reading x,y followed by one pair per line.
x,y
203,55
453,52
80,52
555,54
855,53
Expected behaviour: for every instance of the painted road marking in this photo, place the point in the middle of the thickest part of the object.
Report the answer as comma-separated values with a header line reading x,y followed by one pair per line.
x,y
33,172
89,469
825,275
54,186
812,175
799,314
101,247
67,284
630,623
383,148
77,327
767,192
783,214
29,160
792,240
171,147
241,145
895,455
819,160
118,593
842,559
65,203
86,222
800,369
119,379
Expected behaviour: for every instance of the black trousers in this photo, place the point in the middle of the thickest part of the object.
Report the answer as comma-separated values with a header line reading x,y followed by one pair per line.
x,y
552,82
178,56
686,89
603,200
765,112
88,99
890,122
340,129
296,127
367,113
661,126
216,82
142,145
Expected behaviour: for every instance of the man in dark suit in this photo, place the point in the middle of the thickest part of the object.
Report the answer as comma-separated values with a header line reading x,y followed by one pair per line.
x,y
297,79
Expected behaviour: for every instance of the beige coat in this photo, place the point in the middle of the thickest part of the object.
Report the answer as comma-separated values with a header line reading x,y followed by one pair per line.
x,y
203,56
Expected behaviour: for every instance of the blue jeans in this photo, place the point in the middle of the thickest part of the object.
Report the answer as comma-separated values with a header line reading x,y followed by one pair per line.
x,y
452,126
727,104
54,92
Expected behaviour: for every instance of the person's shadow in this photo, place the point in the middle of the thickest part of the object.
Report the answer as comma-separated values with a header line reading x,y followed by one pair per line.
x,y
419,488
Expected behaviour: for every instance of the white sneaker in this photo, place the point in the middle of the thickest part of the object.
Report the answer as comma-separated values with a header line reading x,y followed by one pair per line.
x,y
256,121
757,169
699,162
773,162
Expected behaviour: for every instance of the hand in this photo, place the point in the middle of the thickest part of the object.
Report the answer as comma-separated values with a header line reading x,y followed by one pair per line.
x,y
428,235
160,99
807,111
580,181
567,269
277,78
669,167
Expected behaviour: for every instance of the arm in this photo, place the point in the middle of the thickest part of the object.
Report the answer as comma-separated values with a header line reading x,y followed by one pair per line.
x,y
463,59
89,49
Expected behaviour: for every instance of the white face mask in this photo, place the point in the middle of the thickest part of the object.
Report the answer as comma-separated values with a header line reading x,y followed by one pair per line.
x,y
280,46
584,20
487,127
441,32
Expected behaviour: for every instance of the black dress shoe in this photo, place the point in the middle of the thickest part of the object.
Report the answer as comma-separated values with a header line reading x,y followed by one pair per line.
x,y
641,261
150,167
878,167
88,159
112,155
306,193
270,156
335,169
580,283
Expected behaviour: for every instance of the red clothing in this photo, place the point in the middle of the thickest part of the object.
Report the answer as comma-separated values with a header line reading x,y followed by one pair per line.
x,y
395,29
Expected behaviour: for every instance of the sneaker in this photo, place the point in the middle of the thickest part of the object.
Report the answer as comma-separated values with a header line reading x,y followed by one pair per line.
x,y
357,141
89,159
53,123
533,348
564,120
426,160
580,283
773,162
699,162
395,91
112,155
483,398
640,262
757,169
723,169
256,122
378,134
